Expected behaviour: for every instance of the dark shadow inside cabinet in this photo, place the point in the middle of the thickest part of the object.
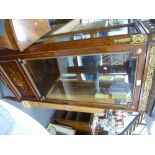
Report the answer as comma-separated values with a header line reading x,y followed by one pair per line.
x,y
44,73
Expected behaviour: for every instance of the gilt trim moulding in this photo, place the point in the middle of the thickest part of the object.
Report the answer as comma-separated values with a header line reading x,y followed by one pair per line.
x,y
133,39
149,81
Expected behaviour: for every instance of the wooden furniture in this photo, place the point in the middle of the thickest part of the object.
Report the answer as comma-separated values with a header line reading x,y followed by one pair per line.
x,y
21,33
86,70
79,121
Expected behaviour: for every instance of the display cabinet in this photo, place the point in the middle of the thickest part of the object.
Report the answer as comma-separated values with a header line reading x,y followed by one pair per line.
x,y
85,67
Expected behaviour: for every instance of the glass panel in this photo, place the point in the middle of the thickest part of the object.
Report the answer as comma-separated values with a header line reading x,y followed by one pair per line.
x,y
90,23
118,31
98,78
111,32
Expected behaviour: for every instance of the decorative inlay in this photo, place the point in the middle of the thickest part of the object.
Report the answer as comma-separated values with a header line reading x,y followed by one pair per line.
x,y
17,78
138,38
122,40
148,82
133,39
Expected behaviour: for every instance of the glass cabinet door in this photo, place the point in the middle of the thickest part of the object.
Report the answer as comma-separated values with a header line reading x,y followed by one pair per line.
x,y
100,33
97,28
107,78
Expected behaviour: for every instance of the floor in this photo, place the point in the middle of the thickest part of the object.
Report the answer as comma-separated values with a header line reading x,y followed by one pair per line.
x,y
42,115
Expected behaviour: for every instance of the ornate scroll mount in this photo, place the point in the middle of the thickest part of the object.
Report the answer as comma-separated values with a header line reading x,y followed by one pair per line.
x,y
133,39
138,38
148,82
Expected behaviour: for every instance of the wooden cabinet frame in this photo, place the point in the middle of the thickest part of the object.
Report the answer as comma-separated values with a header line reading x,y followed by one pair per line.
x,y
136,43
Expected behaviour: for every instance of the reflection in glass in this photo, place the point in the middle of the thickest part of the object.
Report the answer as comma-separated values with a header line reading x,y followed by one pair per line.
x,y
99,78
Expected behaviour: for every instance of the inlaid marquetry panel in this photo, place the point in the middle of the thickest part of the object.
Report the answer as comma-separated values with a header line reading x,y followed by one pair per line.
x,y
14,74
